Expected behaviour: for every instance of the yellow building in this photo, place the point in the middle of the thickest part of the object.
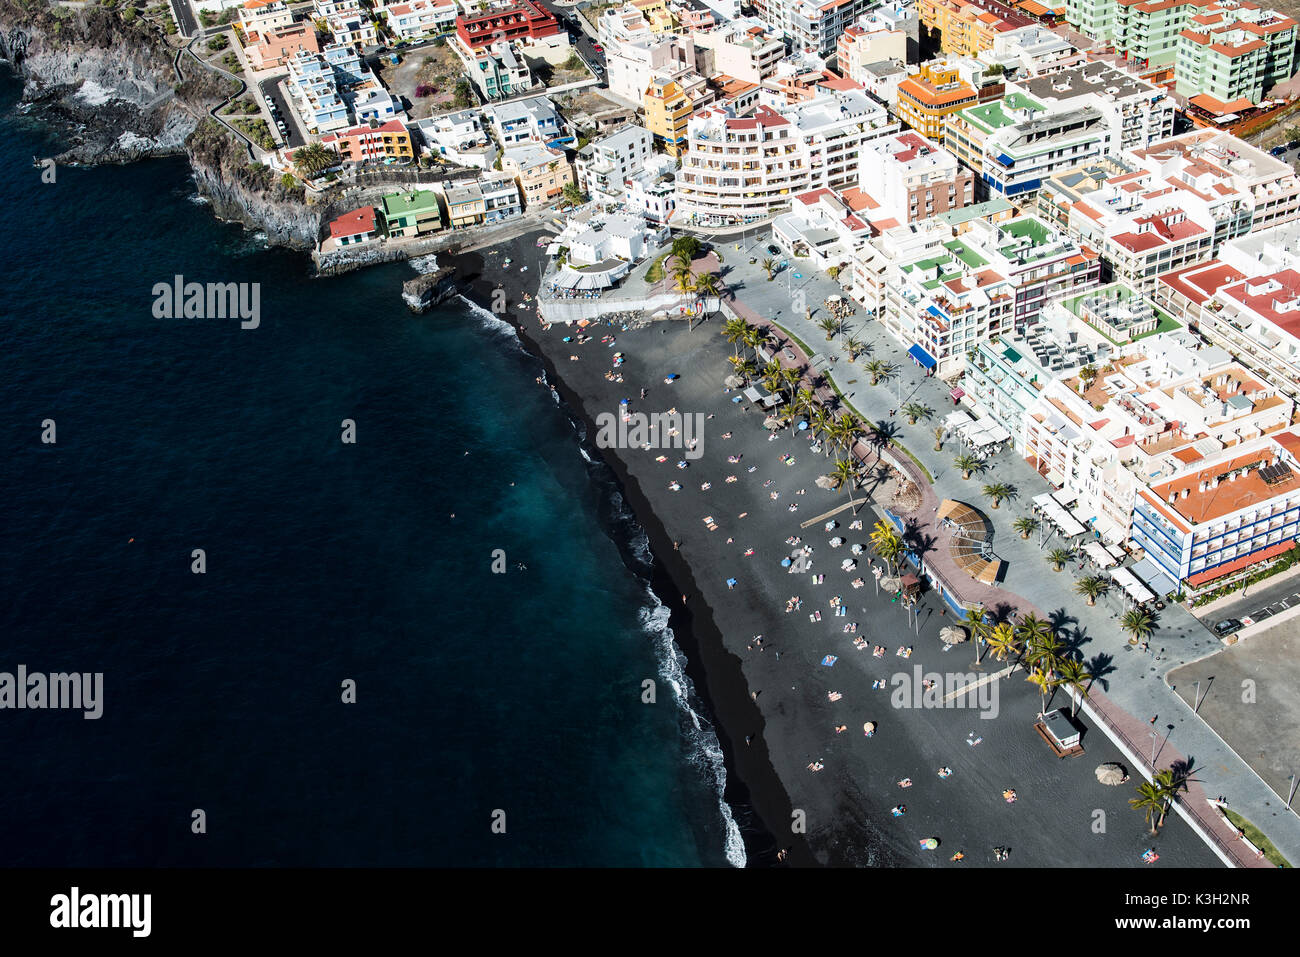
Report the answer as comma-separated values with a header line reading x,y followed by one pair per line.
x,y
667,108
964,28
542,172
925,98
656,14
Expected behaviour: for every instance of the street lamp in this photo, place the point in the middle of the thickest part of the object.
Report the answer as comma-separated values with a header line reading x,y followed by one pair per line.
x,y
1291,793
1155,736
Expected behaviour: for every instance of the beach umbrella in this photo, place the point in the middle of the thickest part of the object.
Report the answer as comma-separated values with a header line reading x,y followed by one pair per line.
x,y
856,549
1111,774
889,583
929,843
848,565
733,382
836,542
771,422
786,563
826,481
952,635
869,728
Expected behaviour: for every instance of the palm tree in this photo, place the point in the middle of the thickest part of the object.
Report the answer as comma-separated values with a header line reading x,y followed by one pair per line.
x,y
1091,587
830,326
978,629
821,425
313,159
878,369
791,378
572,195
734,331
939,433
887,543
833,272
1032,631
846,471
1059,557
1044,651
753,338
1002,640
1153,799
1086,376
1075,677
768,266
998,491
1025,526
707,285
846,431
1045,681
854,348
968,464
1138,623
805,403
744,368
916,410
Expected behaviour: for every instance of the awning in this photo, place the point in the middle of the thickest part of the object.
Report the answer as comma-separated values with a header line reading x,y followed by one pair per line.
x,y
1065,523
1126,580
922,357
957,419
957,393
1154,577
1098,554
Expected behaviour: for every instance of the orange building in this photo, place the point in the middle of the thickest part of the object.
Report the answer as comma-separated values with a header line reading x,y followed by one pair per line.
x,y
925,98
371,143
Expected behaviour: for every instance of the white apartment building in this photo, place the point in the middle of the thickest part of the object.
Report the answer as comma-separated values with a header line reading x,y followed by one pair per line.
x,y
1172,205
742,169
1137,112
651,191
746,49
630,64
1160,406
460,138
417,18
912,178
1030,51
884,34
816,27
530,120
604,165
264,19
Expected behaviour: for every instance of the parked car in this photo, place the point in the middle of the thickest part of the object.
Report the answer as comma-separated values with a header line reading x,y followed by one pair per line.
x,y
1227,627
773,251
1277,150
598,48
1293,145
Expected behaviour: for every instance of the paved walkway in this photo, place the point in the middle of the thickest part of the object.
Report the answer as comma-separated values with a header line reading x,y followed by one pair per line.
x,y
1128,681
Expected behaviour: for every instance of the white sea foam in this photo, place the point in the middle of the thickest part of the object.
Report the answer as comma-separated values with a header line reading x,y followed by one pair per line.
x,y
491,321
706,750
425,264
93,93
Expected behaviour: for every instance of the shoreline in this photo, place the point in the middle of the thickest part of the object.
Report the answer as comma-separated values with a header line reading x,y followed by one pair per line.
x,y
753,790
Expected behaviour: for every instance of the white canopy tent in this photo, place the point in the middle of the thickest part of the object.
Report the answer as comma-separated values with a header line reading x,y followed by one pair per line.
x,y
1132,587
1097,552
1065,523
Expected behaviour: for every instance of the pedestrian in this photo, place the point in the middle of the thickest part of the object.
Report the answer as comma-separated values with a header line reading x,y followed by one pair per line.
x,y
1153,718
943,611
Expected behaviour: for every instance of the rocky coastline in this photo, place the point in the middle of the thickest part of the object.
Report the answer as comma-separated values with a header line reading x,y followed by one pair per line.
x,y
112,88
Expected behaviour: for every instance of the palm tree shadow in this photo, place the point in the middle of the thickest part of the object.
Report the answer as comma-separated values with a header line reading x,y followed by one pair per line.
x,y
1100,665
1061,621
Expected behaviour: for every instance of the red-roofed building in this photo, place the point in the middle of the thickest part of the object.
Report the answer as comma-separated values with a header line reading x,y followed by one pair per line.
x,y
1259,320
371,143
355,227
521,20
1225,513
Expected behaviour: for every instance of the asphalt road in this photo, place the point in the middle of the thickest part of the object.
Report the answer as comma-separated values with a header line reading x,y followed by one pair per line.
x,y
185,19
1259,602
272,93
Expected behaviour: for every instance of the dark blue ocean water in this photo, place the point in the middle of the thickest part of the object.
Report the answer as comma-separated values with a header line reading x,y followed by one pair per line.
x,y
325,562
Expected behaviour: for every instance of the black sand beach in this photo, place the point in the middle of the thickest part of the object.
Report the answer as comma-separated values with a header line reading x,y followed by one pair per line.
x,y
779,703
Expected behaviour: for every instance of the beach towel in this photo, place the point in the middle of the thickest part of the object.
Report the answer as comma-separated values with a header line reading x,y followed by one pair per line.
x,y
829,661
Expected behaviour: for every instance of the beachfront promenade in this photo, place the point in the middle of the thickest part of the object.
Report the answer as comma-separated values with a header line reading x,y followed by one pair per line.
x,y
1129,689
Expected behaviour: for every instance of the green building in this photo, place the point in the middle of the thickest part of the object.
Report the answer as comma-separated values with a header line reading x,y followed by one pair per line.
x,y
412,214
